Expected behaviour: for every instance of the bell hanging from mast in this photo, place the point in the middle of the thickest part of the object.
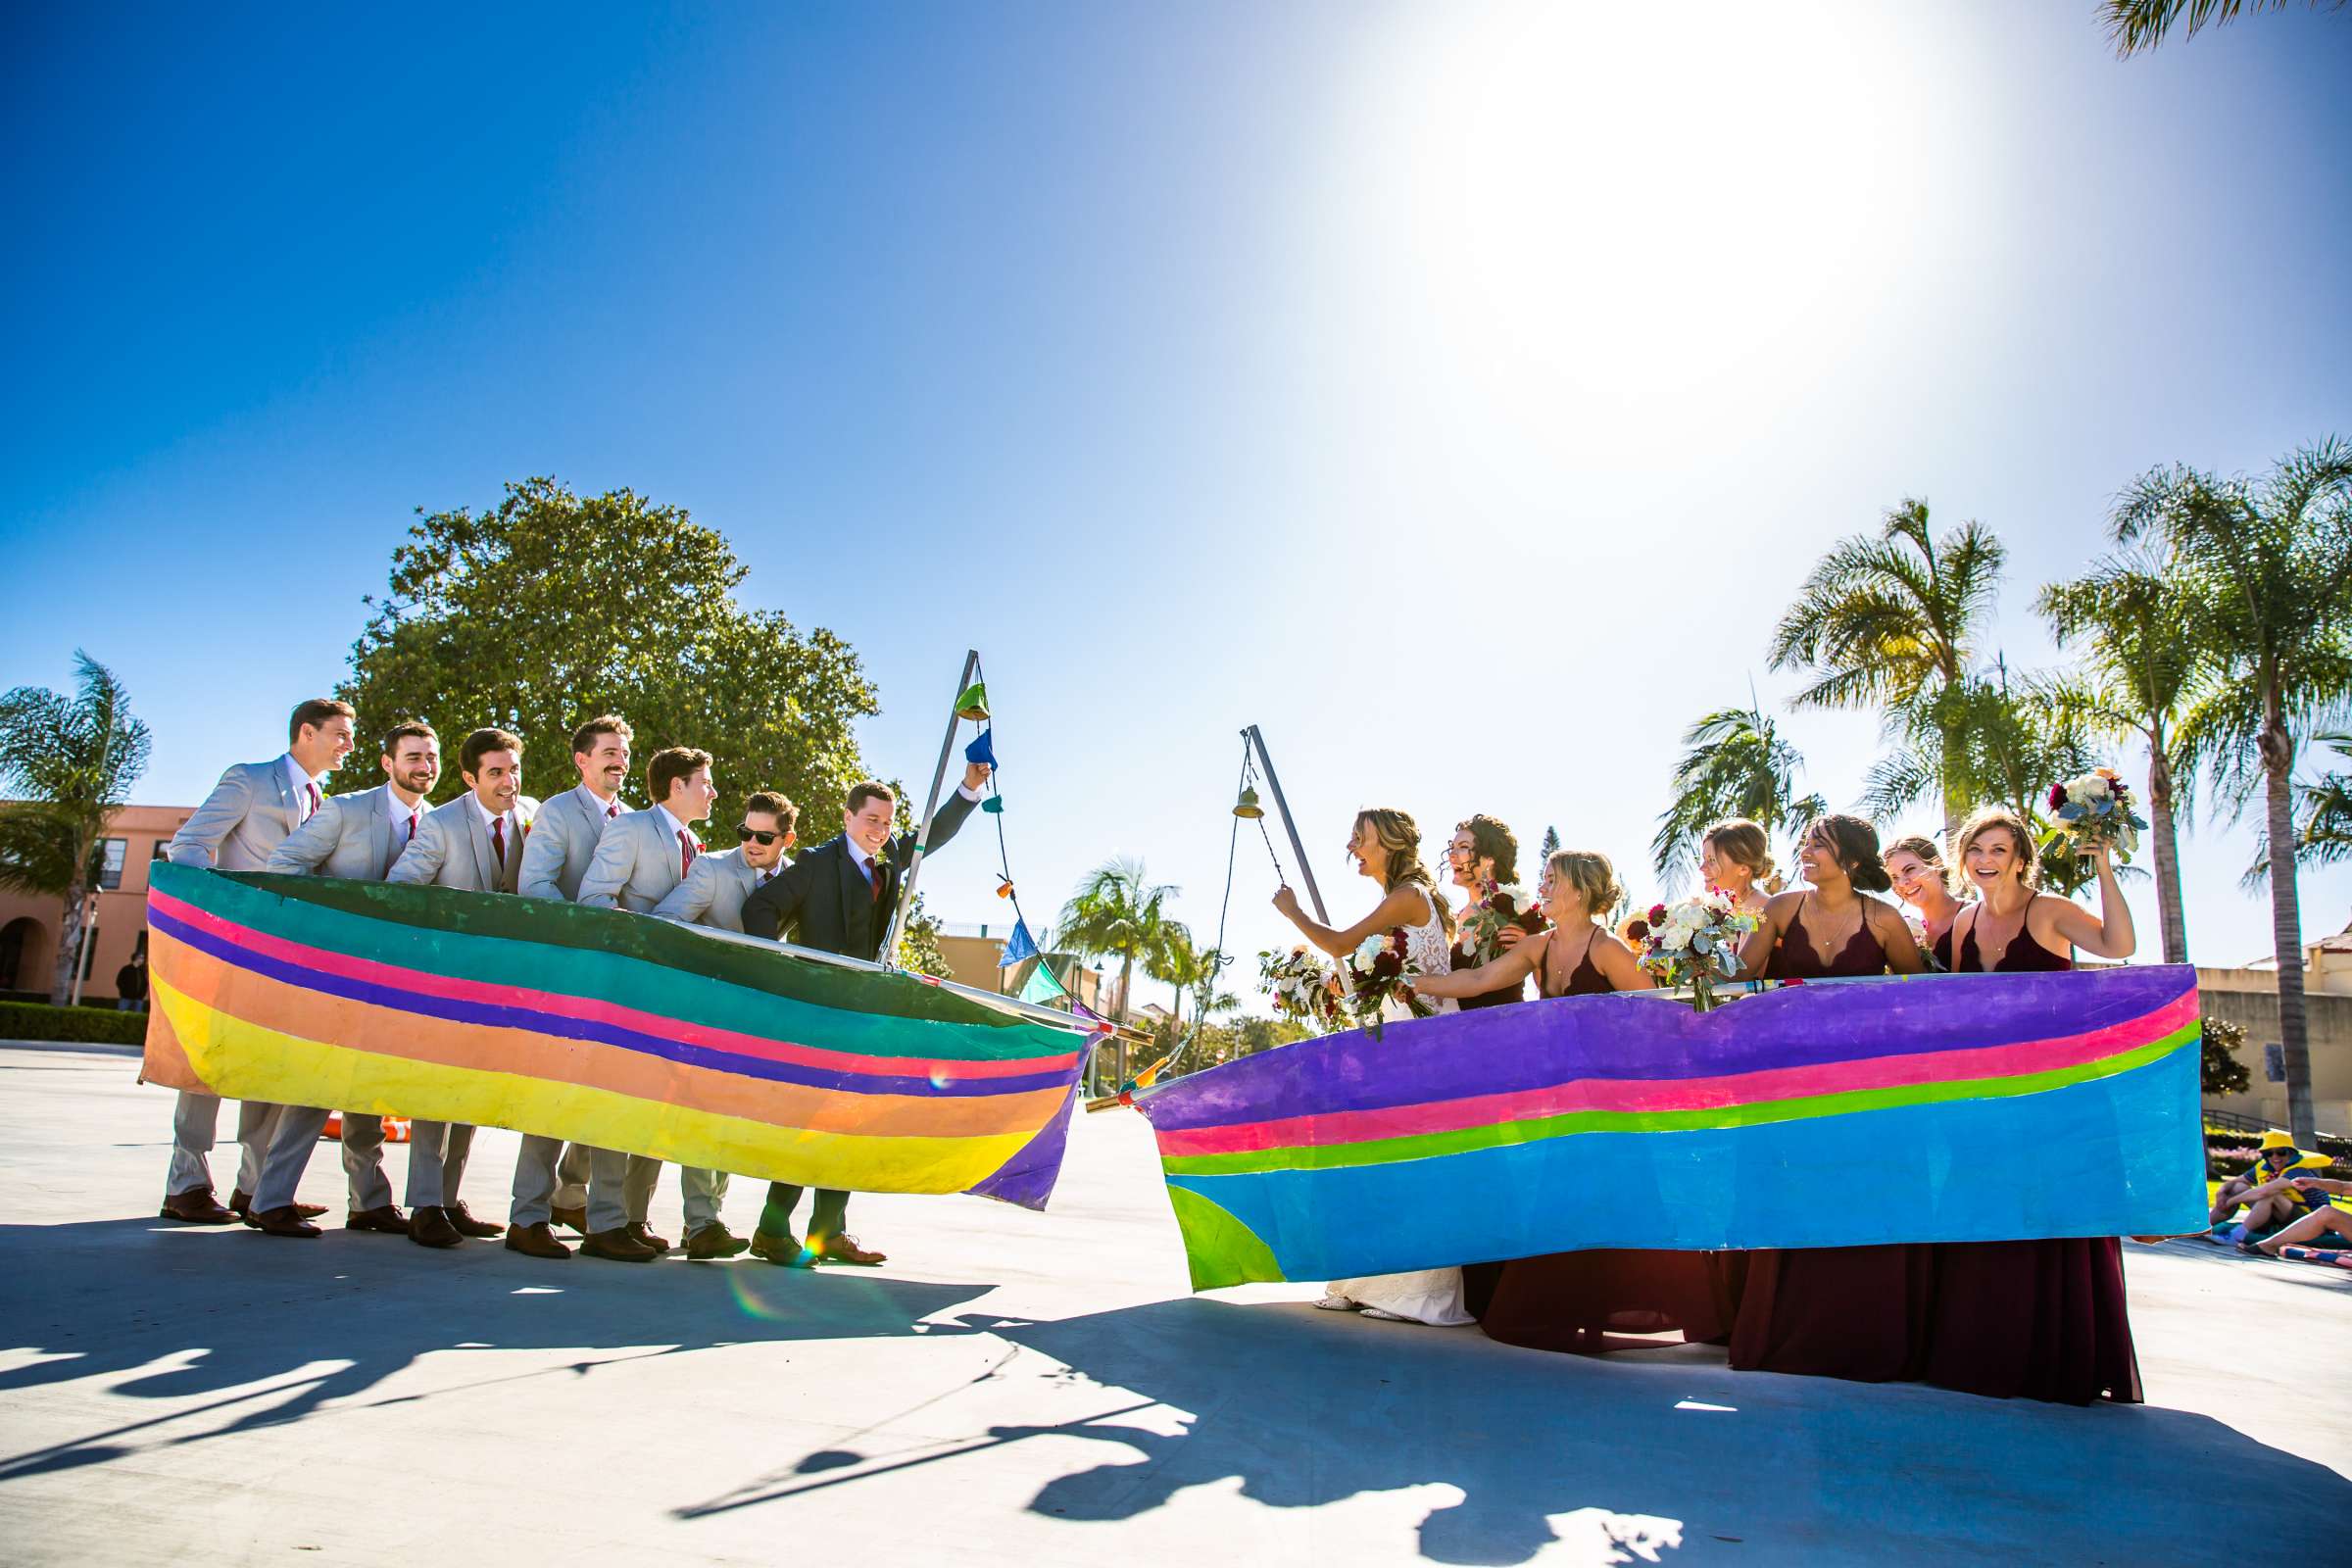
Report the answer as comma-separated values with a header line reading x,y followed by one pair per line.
x,y
1246,807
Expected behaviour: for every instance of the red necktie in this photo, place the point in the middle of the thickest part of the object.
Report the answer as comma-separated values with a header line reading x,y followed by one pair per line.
x,y
314,810
498,838
612,811
873,874
685,853
411,827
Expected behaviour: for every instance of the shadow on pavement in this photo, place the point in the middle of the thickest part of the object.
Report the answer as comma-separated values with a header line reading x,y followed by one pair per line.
x,y
159,1305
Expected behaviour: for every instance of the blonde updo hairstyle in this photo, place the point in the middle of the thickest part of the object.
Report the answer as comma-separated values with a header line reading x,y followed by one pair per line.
x,y
1590,873
1743,843
1400,841
1993,819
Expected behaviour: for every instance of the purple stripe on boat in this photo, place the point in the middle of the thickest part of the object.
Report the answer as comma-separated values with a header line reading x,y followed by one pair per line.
x,y
549,1023
1539,1043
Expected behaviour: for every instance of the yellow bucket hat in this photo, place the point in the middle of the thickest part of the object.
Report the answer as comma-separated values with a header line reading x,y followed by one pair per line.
x,y
2278,1140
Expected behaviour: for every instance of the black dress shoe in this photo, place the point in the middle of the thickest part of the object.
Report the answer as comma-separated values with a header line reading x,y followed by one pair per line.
x,y
387,1219
195,1206
713,1240
430,1227
576,1218
286,1222
536,1241
782,1249
643,1235
467,1225
617,1245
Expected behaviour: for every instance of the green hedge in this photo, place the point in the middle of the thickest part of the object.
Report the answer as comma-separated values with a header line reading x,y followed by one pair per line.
x,y
34,1020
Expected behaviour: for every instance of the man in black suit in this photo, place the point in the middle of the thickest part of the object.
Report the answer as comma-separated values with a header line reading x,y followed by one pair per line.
x,y
839,898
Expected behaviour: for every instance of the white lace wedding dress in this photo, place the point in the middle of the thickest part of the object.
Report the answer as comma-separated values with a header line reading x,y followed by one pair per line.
x,y
1432,1296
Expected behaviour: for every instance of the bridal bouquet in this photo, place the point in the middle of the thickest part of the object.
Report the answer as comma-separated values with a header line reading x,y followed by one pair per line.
x,y
1692,944
1499,908
1301,989
1380,971
2095,809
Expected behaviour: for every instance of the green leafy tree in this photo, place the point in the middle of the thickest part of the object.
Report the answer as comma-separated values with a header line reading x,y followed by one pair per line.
x,y
1890,621
2269,564
1551,844
1119,912
918,944
2139,26
550,608
1737,765
2220,1069
2140,673
1192,971
70,760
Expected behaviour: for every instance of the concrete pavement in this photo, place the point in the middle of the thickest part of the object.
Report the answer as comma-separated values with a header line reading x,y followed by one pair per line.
x,y
1027,1389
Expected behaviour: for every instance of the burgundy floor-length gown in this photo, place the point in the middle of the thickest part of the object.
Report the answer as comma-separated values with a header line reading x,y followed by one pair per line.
x,y
2040,1320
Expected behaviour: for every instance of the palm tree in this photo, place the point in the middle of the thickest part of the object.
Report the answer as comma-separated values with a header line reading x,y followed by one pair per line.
x,y
1119,913
1737,765
1191,971
2139,26
2323,829
2269,567
1890,622
71,760
2140,679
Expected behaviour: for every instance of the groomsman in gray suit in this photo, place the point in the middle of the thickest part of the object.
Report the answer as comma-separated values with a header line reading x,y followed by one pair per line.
x,y
641,858
474,842
585,1188
356,837
248,815
712,895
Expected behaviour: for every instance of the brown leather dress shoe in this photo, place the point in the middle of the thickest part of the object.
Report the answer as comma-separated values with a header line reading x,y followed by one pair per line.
x,y
844,1249
782,1248
284,1221
576,1218
713,1240
309,1210
240,1203
645,1237
618,1246
195,1206
430,1227
387,1219
536,1241
462,1218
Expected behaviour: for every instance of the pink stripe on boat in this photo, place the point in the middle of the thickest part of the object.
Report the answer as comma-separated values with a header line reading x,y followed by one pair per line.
x,y
561,1006
1326,1128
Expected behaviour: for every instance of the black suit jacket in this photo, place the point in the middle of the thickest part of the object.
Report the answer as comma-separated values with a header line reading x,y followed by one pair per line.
x,y
823,900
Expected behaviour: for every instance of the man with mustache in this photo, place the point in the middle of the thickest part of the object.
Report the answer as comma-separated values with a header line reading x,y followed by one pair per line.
x,y
587,1189
474,842
248,815
357,837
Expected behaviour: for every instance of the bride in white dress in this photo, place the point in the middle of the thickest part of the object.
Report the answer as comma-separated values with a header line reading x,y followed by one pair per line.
x,y
1387,847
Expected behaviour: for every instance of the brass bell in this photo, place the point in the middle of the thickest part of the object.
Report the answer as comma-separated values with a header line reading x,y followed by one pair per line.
x,y
1247,807
973,703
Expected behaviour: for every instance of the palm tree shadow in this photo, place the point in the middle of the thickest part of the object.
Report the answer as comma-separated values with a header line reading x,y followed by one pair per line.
x,y
161,1313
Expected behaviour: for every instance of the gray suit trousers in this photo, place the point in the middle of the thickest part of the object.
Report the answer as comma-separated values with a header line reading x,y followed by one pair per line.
x,y
196,1121
537,1184
573,1172
437,1153
298,1131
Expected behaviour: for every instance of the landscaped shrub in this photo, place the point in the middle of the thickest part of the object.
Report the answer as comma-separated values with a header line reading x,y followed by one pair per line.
x,y
100,1026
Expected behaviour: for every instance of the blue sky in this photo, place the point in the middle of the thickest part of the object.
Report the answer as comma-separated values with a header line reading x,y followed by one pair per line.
x,y
1456,391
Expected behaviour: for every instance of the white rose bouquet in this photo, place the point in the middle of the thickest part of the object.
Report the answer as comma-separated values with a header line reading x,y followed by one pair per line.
x,y
1301,988
1692,944
2095,809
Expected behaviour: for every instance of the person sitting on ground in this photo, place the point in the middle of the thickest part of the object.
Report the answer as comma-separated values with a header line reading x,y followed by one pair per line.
x,y
2323,1219
2269,1188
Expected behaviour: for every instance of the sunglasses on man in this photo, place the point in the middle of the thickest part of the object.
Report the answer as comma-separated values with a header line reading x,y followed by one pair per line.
x,y
746,832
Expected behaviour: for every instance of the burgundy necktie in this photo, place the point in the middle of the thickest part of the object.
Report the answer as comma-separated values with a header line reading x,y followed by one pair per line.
x,y
685,853
314,810
498,838
873,874
612,811
411,827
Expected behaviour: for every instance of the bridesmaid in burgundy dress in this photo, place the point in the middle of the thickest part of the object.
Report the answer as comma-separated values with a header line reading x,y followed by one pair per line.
x,y
2046,1319
1833,1311
1921,881
1483,851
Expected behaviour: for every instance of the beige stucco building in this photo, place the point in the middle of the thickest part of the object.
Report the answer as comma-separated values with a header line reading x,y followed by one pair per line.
x,y
2249,997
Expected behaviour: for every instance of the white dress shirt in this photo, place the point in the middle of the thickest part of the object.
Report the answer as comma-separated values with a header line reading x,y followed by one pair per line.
x,y
305,805
403,815
604,809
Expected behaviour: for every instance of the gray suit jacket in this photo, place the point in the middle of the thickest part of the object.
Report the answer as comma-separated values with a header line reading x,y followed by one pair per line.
x,y
636,864
562,843
713,893
248,815
353,836
452,851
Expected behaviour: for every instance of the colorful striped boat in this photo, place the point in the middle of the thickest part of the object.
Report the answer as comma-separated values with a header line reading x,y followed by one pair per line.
x,y
614,1029
1945,1108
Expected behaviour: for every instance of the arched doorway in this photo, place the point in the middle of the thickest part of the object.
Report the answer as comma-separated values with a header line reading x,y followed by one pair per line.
x,y
21,947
